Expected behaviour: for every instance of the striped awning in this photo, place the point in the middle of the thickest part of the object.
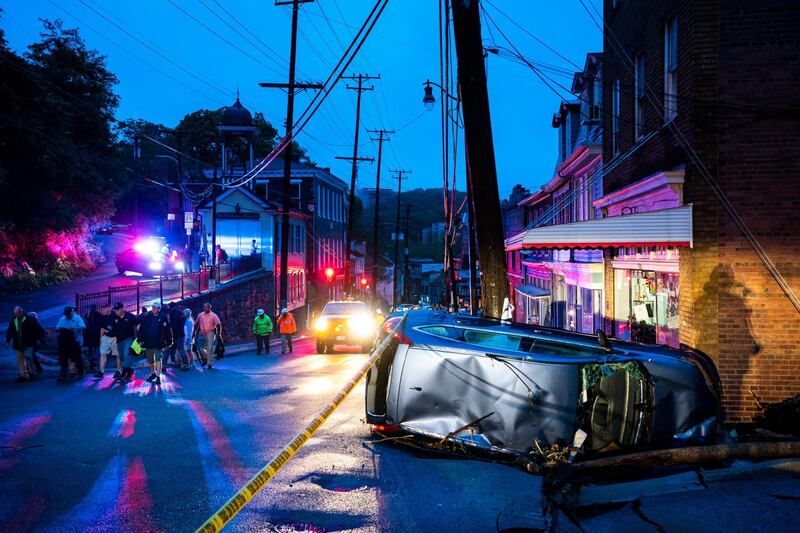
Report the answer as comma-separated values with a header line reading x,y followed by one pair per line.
x,y
667,227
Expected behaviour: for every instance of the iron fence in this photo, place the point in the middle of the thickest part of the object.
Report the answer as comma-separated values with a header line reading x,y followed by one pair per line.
x,y
166,288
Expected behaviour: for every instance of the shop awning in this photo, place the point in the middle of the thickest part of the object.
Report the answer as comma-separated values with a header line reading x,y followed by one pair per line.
x,y
532,291
666,227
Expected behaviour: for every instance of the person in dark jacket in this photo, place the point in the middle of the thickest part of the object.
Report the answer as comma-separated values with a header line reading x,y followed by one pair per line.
x,y
91,337
23,335
70,328
125,325
155,335
177,321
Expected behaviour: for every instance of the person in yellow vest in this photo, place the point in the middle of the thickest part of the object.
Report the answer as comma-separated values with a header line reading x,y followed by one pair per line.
x,y
262,327
287,327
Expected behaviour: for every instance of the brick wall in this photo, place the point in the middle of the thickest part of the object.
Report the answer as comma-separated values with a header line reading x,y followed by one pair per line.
x,y
738,102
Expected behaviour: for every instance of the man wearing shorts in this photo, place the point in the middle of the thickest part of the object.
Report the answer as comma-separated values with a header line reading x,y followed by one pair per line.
x,y
108,341
125,325
207,327
155,336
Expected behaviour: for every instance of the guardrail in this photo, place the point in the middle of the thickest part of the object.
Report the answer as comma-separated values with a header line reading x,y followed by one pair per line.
x,y
232,507
175,287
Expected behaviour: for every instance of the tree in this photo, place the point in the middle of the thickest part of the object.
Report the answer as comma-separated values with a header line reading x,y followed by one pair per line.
x,y
58,164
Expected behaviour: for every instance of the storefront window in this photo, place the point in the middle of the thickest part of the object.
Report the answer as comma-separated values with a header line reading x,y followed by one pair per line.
x,y
668,319
622,304
559,303
643,306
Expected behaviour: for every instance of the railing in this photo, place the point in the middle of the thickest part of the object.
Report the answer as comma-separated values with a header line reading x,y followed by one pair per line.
x,y
166,288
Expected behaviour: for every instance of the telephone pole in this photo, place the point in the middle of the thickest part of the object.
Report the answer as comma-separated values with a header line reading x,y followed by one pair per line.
x,y
482,174
398,175
381,139
290,87
361,78
408,290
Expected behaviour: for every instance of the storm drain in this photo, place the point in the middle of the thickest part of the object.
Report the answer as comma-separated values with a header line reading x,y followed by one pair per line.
x,y
340,482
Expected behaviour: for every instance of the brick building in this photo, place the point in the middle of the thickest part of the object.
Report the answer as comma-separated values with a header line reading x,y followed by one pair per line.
x,y
724,72
686,86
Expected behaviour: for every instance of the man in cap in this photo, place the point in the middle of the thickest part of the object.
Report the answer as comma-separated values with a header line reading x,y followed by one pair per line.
x,y
262,327
207,327
155,336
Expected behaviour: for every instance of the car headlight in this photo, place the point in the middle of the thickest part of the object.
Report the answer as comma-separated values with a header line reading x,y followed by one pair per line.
x,y
321,324
179,265
155,265
361,325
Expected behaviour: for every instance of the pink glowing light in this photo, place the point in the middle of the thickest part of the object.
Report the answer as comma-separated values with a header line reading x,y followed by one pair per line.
x,y
134,504
228,458
124,424
19,436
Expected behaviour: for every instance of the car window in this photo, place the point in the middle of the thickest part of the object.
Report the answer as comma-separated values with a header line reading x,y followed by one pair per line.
x,y
345,308
492,339
495,340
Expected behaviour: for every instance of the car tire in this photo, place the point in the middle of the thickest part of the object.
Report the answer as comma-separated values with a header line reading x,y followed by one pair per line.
x,y
320,347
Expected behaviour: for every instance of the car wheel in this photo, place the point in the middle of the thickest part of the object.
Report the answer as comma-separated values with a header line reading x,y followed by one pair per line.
x,y
320,347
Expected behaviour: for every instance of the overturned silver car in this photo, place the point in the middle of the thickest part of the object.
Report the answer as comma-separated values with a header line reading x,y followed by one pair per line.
x,y
510,387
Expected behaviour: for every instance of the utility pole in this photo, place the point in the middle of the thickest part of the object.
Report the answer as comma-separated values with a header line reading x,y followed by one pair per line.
x,y
408,289
214,194
482,174
361,78
398,175
473,272
290,87
381,139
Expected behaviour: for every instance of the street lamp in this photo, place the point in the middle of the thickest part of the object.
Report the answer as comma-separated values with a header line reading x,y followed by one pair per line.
x,y
429,100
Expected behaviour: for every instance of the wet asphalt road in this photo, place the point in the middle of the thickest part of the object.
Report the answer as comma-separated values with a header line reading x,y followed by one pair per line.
x,y
90,456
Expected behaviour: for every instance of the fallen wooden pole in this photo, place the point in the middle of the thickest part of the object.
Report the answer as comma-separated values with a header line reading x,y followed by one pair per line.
x,y
562,473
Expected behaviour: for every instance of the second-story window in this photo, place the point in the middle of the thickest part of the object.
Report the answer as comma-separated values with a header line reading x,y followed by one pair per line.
x,y
597,97
638,97
615,118
670,69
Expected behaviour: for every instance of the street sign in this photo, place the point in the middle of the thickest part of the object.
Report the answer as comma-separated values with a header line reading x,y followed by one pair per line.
x,y
188,217
189,230
170,216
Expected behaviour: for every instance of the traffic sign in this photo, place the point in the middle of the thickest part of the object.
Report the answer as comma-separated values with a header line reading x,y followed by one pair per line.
x,y
188,217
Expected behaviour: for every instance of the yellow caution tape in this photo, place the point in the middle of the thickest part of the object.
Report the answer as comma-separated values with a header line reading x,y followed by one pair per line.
x,y
232,507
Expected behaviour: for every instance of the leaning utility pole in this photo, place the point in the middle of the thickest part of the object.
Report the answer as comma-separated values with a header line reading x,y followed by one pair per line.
x,y
398,175
381,139
361,78
482,174
290,87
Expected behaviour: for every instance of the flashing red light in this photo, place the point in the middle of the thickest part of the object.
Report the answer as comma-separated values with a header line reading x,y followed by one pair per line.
x,y
364,282
329,273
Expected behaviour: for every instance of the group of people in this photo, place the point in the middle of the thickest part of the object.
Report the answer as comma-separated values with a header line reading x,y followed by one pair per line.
x,y
172,336
159,336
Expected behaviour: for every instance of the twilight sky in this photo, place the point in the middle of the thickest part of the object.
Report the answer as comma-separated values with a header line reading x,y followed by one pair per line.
x,y
204,71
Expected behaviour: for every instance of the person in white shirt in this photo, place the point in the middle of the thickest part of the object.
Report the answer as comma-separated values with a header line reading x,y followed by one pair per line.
x,y
188,328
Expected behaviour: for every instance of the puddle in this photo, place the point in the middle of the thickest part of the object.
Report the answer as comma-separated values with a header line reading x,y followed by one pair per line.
x,y
296,527
340,482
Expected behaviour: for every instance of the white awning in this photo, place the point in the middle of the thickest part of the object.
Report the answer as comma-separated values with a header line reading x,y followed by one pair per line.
x,y
667,227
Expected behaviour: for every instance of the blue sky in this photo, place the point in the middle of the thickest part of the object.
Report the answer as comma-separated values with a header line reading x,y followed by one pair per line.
x,y
403,49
